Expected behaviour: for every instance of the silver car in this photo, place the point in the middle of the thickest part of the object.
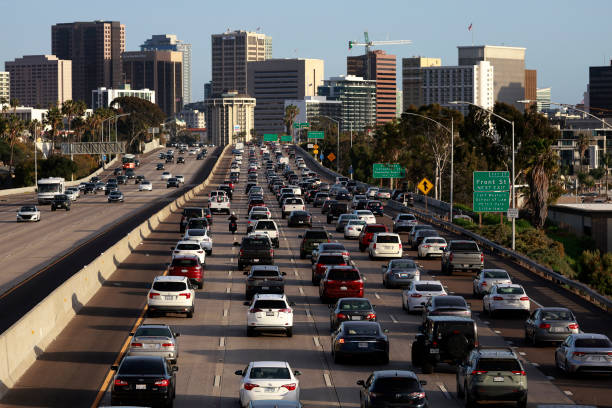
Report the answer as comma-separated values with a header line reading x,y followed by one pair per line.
x,y
487,278
400,272
404,222
585,353
154,340
550,324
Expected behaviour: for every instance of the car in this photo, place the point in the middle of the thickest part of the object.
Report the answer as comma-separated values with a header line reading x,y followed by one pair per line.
x,y
161,155
340,281
121,179
180,179
550,324
507,297
350,309
171,294
202,236
418,293
228,190
392,388
255,216
487,278
143,380
492,374
129,174
169,159
343,219
360,340
254,250
367,233
335,210
446,306
342,194
115,197
269,228
362,205
376,207
319,199
139,179
292,204
166,175
353,229
188,213
60,201
154,340
190,248
220,204
325,259
403,222
180,160
117,171
266,380
311,240
365,215
356,199
299,218
199,222
385,244
72,193
200,156
172,182
431,246
110,186
415,228
443,339
188,266
89,188
584,353
28,213
383,194
145,185
329,247
264,279
400,273
327,205
420,235
371,192
160,166
270,313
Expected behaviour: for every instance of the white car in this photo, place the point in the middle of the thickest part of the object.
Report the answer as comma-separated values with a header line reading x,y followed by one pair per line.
x,y
353,228
72,193
404,222
166,175
292,204
219,203
385,245
431,246
365,215
180,179
28,213
269,312
383,194
371,192
269,228
190,248
145,185
506,297
419,292
487,278
171,294
356,199
202,236
296,190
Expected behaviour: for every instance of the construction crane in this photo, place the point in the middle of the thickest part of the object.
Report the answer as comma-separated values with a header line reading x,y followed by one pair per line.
x,y
368,44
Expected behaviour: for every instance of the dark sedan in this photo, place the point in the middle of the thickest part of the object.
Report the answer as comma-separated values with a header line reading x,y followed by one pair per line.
x,y
375,206
392,388
327,205
160,166
115,197
264,279
148,380
350,309
299,219
446,306
180,160
360,339
172,182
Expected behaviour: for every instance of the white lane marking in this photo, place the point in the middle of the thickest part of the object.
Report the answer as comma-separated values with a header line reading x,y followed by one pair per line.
x,y
377,295
535,364
232,260
393,319
365,278
217,381
228,290
301,291
308,313
537,304
497,331
444,391
568,393
224,312
486,322
316,341
221,342
296,273
229,272
327,379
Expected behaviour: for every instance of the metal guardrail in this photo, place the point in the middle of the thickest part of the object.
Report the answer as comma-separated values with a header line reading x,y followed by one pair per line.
x,y
571,285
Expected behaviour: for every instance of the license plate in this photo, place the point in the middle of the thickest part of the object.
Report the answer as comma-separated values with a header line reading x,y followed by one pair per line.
x,y
595,358
150,346
256,260
498,379
184,270
557,329
362,345
343,288
466,265
355,317
141,386
434,351
265,288
169,297
269,389
300,222
403,275
269,313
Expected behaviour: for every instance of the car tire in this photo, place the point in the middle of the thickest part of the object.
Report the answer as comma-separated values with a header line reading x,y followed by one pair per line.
x,y
315,281
385,359
290,332
361,248
200,285
416,354
522,403
190,314
467,399
302,255
337,358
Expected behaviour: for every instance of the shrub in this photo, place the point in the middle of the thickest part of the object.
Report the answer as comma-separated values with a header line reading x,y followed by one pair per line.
x,y
596,270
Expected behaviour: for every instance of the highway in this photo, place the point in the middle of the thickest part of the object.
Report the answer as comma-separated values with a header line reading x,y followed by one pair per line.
x,y
214,343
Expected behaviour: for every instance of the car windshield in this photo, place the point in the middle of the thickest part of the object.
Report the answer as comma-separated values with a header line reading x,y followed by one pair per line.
x,y
316,235
331,259
343,274
348,217
196,232
496,275
388,385
450,301
510,290
428,287
356,304
263,373
266,225
270,304
153,332
435,240
387,239
403,264
332,247
360,330
593,343
264,272
557,315
169,286
24,209
407,217
188,247
465,246
142,366
498,364
184,262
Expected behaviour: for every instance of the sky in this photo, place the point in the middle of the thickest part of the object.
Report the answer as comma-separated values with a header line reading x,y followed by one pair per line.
x,y
563,38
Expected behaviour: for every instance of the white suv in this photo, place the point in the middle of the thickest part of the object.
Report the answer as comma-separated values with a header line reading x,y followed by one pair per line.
x,y
190,248
201,235
171,294
268,380
269,312
385,244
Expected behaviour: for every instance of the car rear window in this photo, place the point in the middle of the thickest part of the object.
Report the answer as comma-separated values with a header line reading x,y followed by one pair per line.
x,y
557,315
170,286
465,246
258,215
387,385
496,274
321,195
331,259
270,304
343,274
376,228
188,247
264,272
300,213
428,287
435,240
450,301
293,201
452,328
332,247
510,290
256,201
403,264
281,373
407,217
266,225
498,364
360,330
316,235
185,262
142,366
153,332
355,304
593,343
256,243
387,239
196,232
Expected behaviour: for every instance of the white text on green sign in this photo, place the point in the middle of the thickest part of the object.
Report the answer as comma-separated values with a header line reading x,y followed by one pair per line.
x,y
491,181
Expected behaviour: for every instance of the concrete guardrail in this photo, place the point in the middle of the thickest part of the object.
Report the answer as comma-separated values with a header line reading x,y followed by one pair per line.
x,y
24,341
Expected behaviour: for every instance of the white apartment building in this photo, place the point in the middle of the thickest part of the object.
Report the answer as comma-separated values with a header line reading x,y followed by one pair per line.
x,y
103,97
230,115
5,86
194,119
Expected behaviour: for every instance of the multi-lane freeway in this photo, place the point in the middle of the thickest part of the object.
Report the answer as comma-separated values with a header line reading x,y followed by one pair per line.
x,y
74,370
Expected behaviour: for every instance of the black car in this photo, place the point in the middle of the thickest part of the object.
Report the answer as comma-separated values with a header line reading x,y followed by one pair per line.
x,y
180,160
446,306
148,380
228,190
343,195
335,210
362,205
122,179
350,309
130,174
90,188
188,213
138,179
360,339
264,279
169,159
375,206
173,182
200,156
299,219
392,388
252,177
248,186
118,171
60,201
327,205
255,250
110,187
160,166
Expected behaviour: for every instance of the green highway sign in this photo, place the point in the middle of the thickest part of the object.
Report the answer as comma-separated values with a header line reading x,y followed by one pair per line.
x,y
491,180
299,125
491,201
270,137
286,138
382,170
316,135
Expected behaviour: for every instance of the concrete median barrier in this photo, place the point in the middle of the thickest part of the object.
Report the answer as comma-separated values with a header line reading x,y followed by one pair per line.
x,y
27,339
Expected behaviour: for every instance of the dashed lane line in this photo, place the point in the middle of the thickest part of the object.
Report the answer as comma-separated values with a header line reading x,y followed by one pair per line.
x,y
393,319
444,391
217,381
327,379
316,341
377,295
221,342
301,291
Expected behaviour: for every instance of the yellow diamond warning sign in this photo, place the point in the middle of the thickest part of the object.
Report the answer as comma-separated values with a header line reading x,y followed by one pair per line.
x,y
425,186
331,157
316,146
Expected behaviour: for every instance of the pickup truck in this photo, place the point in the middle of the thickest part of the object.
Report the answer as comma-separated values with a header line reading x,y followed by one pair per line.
x,y
292,204
462,255
254,250
219,203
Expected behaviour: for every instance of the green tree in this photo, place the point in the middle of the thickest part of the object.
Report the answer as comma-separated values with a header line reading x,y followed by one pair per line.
x,y
291,111
54,119
143,115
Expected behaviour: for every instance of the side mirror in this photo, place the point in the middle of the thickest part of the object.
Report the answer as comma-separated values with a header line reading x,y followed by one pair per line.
x,y
297,372
175,368
114,367
177,334
238,372
361,382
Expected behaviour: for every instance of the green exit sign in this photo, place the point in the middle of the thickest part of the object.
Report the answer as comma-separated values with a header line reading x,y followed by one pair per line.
x,y
286,138
491,180
270,137
383,170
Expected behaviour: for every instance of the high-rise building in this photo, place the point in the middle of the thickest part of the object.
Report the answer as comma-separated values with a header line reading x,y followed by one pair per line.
x,y
358,98
399,103
194,118
412,79
5,86
103,97
161,71
229,117
600,90
380,67
531,86
231,51
312,107
40,80
208,90
273,81
543,99
170,42
95,49
509,66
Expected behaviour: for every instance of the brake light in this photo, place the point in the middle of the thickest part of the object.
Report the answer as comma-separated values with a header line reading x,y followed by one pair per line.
x,y
271,252
341,316
136,344
255,310
544,326
241,252
498,298
450,257
285,311
152,295
483,284
578,353
481,257
374,246
120,383
416,295
424,246
371,316
524,298
187,295
341,341
290,387
400,246
519,372
350,228
478,372
573,326
249,386
200,252
168,345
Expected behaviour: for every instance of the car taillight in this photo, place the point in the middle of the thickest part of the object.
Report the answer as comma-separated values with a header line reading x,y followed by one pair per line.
x,y
255,310
120,383
290,387
519,372
544,326
483,284
573,326
152,295
416,395
481,257
350,228
136,344
578,353
371,316
450,257
241,252
341,316
374,246
271,252
416,295
168,345
498,298
400,246
162,383
285,311
478,372
524,298
341,341
200,252
187,295
424,246
249,386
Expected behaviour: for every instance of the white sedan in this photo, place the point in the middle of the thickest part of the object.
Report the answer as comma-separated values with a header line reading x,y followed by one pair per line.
x,y
385,244
487,278
166,175
180,179
365,215
268,380
28,213
202,236
431,246
145,185
353,228
419,292
509,297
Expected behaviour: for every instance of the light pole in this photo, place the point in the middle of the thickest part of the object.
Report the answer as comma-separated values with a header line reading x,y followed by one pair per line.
x,y
337,142
452,154
511,122
35,156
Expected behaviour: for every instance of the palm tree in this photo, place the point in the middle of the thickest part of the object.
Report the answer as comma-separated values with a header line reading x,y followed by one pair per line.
x,y
538,175
72,109
291,112
54,119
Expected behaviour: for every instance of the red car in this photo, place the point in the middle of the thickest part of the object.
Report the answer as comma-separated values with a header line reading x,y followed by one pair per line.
x,y
256,202
323,261
368,232
189,266
340,282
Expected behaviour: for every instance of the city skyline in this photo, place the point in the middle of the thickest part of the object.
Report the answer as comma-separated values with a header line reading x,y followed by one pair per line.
x,y
548,30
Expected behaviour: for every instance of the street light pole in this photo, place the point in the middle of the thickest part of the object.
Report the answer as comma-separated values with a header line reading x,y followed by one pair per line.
x,y
35,156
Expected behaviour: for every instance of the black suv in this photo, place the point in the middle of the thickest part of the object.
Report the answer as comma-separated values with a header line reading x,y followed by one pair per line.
x,y
256,249
392,388
60,201
264,279
311,240
443,339
335,210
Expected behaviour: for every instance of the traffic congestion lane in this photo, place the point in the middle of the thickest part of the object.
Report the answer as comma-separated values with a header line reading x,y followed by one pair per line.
x,y
28,247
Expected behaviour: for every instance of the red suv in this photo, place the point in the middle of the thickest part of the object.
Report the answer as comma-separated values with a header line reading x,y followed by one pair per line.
x,y
340,282
323,261
189,266
368,232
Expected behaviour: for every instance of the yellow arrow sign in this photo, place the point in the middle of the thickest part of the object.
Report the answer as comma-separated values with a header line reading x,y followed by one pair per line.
x,y
331,157
425,186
